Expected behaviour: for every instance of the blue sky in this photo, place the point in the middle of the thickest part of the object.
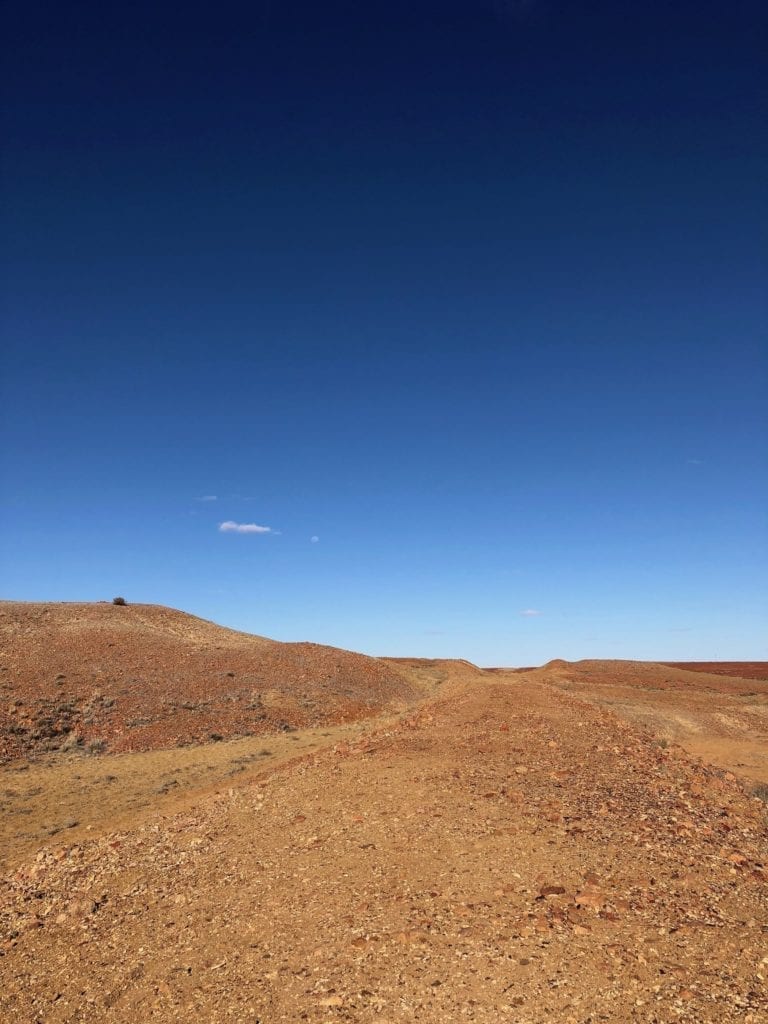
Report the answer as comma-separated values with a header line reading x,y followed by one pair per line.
x,y
473,294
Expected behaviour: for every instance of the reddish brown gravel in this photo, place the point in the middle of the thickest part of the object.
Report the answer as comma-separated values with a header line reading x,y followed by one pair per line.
x,y
523,847
508,852
142,677
744,669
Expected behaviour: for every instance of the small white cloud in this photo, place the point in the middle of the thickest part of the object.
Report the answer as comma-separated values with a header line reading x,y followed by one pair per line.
x,y
530,613
208,497
314,539
232,527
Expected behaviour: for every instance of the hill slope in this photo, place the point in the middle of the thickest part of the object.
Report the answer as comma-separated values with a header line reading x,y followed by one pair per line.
x,y
142,676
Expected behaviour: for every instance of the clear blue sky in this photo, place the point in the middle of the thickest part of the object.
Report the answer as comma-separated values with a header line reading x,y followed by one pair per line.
x,y
468,291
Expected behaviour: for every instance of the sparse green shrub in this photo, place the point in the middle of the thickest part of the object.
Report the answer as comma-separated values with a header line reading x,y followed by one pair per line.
x,y
119,600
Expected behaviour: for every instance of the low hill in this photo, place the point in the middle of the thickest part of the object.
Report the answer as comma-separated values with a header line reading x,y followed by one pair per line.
x,y
140,677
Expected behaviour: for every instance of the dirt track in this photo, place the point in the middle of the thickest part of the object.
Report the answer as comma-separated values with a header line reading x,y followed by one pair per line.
x,y
74,798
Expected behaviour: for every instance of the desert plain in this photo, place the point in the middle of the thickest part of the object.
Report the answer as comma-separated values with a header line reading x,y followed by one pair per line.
x,y
199,824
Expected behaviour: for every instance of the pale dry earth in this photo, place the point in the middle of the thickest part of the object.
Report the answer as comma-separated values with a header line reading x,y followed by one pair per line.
x,y
511,846
71,796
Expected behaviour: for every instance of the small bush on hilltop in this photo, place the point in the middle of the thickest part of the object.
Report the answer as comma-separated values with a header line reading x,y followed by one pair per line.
x,y
119,600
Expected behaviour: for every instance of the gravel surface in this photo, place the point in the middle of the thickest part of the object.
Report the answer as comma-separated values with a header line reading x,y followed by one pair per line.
x,y
142,677
506,852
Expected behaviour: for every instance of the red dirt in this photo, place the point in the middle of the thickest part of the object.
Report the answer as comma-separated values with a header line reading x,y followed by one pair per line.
x,y
142,677
742,669
653,675
508,853
516,847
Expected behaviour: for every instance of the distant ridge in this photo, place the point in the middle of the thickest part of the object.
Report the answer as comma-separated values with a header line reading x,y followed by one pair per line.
x,y
742,669
433,662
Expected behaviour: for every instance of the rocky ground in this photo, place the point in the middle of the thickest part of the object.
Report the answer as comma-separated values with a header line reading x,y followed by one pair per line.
x,y
721,718
102,677
509,850
742,669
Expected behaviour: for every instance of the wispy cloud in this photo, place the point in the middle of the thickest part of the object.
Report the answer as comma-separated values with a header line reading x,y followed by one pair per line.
x,y
230,526
434,632
314,539
530,613
208,497
695,462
